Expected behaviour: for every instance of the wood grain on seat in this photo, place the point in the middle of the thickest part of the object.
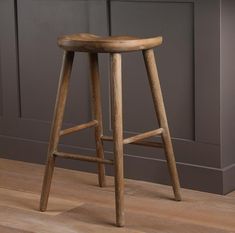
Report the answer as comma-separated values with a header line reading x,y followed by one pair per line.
x,y
85,42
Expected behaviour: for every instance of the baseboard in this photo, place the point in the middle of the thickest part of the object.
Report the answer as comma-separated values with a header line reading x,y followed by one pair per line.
x,y
192,176
228,179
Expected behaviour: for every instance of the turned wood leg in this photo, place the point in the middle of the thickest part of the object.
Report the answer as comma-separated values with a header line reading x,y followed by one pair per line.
x,y
161,115
118,136
56,126
97,114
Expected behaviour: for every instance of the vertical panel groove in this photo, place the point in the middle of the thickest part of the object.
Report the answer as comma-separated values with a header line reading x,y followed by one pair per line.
x,y
1,95
109,17
194,74
17,57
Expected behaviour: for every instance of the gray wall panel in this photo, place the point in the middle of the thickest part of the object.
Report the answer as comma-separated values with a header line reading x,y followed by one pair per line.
x,y
40,58
174,21
8,60
207,71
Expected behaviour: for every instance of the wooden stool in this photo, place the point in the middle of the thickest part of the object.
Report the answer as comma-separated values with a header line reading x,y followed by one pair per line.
x,y
93,45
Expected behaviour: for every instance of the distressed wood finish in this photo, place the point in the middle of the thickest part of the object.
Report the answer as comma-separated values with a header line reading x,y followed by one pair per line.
x,y
116,77
78,128
56,125
93,44
161,115
84,42
143,136
82,157
97,113
140,143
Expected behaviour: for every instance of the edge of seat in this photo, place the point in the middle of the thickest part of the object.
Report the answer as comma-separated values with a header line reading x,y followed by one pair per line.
x,y
96,44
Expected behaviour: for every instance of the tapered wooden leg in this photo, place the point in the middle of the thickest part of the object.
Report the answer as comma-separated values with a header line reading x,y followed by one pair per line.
x,y
56,126
118,136
97,114
161,115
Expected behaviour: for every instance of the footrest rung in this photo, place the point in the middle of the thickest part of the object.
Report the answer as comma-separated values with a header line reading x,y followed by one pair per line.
x,y
82,157
140,143
78,127
142,136
149,144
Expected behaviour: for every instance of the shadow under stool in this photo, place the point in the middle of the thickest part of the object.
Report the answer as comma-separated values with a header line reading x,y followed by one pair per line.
x,y
114,45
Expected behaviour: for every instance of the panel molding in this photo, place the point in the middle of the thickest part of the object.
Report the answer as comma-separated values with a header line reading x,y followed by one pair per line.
x,y
44,30
160,1
207,71
9,63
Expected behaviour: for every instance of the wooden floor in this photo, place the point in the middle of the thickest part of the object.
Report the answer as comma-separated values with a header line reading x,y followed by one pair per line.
x,y
78,205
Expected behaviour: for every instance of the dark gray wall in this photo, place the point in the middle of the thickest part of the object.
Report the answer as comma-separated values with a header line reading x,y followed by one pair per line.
x,y
194,87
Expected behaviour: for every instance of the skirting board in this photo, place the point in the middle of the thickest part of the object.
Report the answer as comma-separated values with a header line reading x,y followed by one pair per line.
x,y
201,178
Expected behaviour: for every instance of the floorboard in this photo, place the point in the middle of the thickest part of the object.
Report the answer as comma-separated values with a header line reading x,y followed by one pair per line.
x,y
77,204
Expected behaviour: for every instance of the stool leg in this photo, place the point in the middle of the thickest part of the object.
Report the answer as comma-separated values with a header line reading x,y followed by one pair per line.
x,y
97,114
118,137
56,126
161,115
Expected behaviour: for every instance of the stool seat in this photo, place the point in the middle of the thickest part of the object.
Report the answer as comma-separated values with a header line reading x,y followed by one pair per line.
x,y
85,42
